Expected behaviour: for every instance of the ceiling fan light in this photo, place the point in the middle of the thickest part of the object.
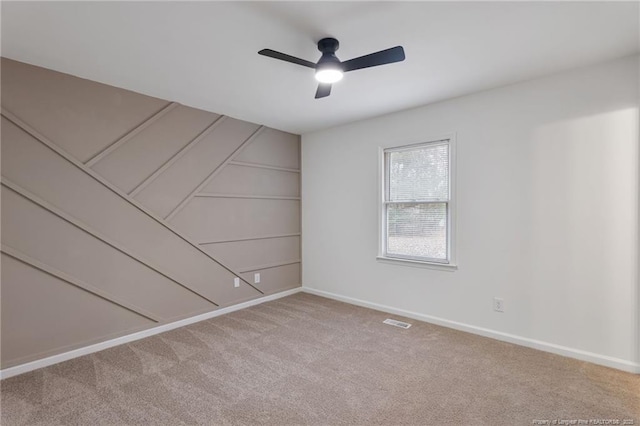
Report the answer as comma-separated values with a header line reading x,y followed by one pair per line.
x,y
328,75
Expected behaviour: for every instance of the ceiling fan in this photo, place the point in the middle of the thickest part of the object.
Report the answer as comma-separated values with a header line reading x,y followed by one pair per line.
x,y
329,69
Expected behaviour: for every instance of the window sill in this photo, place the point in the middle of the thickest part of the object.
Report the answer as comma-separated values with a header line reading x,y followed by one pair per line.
x,y
417,264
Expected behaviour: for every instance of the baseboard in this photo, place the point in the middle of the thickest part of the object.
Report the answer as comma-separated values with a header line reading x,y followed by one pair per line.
x,y
599,359
55,359
604,360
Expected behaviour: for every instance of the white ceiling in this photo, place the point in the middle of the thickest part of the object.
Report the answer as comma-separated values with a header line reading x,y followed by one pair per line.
x,y
204,54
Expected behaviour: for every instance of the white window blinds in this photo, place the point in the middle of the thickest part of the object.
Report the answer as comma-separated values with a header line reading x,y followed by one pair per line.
x,y
420,174
416,205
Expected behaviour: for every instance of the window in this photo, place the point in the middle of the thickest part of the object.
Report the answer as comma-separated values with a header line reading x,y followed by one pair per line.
x,y
417,203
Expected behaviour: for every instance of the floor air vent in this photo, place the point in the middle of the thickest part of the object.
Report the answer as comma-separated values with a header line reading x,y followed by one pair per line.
x,y
397,323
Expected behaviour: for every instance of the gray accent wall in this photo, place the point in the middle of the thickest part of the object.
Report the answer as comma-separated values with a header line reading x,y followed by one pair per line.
x,y
121,212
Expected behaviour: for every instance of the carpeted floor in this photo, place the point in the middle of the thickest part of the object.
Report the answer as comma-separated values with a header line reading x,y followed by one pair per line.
x,y
309,360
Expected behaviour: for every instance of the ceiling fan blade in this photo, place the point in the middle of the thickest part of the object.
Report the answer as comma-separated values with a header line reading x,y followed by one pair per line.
x,y
324,90
288,58
388,56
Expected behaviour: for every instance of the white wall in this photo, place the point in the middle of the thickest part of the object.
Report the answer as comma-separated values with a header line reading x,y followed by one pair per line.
x,y
547,213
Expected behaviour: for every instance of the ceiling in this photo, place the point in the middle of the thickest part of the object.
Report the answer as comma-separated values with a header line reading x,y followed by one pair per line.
x,y
204,54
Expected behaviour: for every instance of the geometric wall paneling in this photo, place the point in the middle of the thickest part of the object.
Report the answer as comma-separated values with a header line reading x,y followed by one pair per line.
x,y
275,148
44,170
177,183
42,315
139,156
99,189
99,156
243,218
80,116
256,196
30,228
243,180
254,253
276,279
76,282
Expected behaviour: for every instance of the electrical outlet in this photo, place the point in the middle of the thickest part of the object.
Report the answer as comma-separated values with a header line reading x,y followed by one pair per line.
x,y
256,278
236,282
498,304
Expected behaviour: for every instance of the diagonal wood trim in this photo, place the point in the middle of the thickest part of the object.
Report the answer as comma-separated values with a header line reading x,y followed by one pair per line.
x,y
62,153
264,237
263,166
254,197
27,260
116,144
86,228
211,175
269,266
176,156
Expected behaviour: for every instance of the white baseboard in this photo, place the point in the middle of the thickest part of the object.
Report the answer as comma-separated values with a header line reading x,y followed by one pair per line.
x,y
45,362
607,361
505,337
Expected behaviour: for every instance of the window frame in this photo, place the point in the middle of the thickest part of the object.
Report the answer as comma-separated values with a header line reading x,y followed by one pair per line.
x,y
451,262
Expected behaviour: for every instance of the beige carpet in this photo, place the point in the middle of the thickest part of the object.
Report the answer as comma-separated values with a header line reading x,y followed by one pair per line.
x,y
308,360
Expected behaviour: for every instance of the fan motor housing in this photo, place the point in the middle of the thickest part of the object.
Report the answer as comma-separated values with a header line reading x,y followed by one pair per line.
x,y
328,45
